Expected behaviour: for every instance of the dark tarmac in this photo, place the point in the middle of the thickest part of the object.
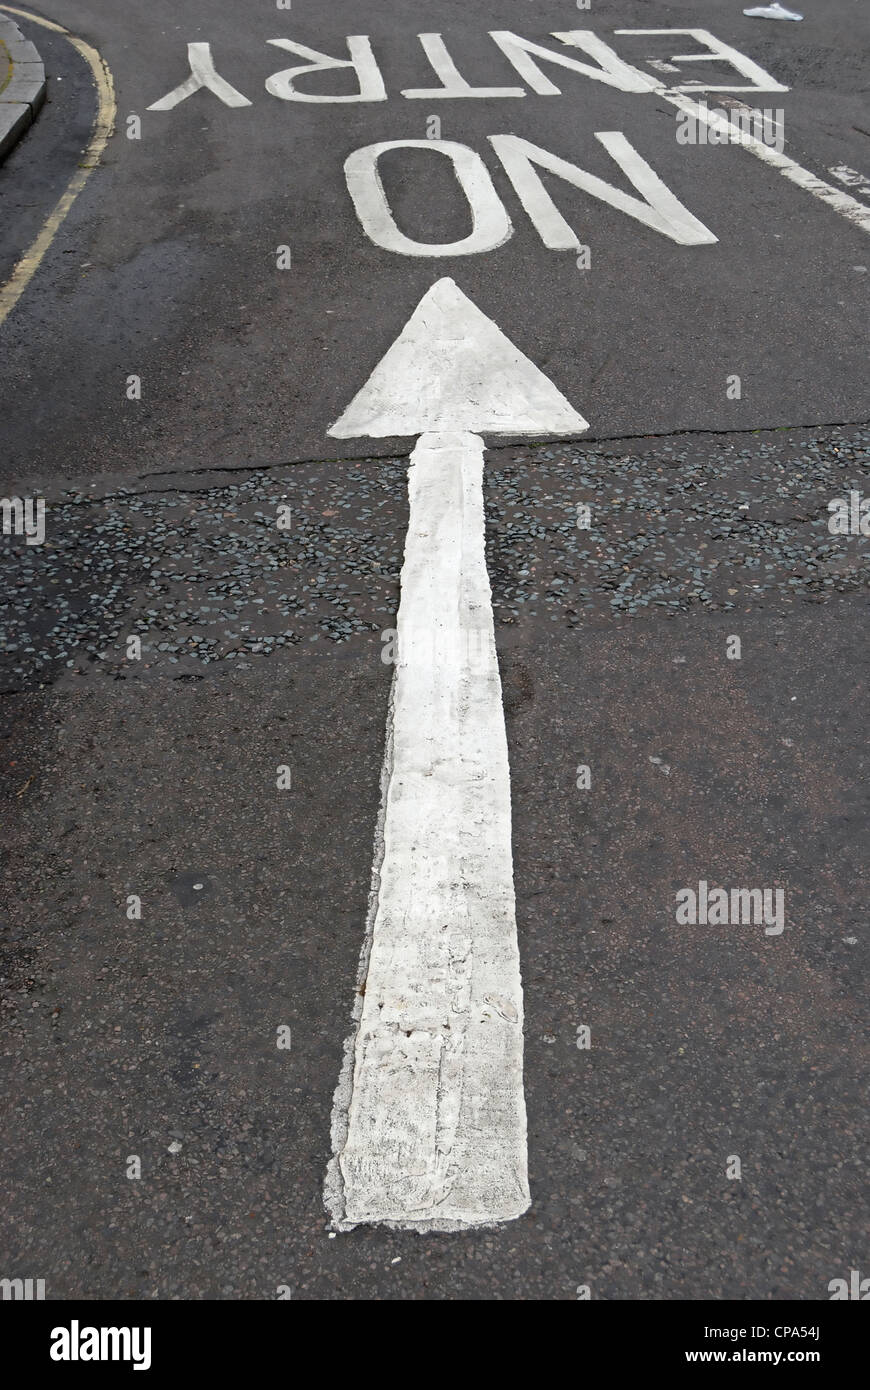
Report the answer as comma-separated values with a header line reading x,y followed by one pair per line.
x,y
709,520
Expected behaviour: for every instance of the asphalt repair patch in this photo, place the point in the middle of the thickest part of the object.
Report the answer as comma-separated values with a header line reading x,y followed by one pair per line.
x,y
222,575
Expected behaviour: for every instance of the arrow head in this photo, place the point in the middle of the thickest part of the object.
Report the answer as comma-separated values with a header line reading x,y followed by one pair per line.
x,y
451,369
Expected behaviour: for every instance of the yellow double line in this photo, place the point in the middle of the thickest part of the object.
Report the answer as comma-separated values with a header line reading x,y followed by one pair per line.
x,y
11,292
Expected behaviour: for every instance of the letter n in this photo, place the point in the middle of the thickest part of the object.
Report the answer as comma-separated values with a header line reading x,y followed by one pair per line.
x,y
656,208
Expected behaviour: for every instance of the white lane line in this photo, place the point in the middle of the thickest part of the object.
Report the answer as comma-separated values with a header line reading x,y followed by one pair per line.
x,y
429,1124
841,202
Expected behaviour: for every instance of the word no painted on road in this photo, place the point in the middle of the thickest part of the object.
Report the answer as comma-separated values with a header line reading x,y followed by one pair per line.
x,y
656,207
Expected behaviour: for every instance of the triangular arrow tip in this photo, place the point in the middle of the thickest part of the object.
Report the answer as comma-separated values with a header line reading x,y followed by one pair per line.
x,y
451,369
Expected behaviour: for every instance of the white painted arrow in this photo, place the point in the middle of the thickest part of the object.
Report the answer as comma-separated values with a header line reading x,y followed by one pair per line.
x,y
429,1122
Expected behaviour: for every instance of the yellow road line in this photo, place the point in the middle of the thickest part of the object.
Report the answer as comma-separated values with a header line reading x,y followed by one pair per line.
x,y
11,292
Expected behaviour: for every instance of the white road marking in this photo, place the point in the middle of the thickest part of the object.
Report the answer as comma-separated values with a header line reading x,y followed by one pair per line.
x,y
362,60
851,178
611,68
436,1122
429,1125
657,207
491,226
761,81
363,178
846,206
453,84
452,368
717,52
202,74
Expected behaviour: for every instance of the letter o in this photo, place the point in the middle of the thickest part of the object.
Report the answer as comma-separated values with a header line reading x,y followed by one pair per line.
x,y
491,225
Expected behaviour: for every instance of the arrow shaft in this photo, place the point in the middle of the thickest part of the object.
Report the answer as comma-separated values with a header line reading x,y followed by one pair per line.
x,y
435,1123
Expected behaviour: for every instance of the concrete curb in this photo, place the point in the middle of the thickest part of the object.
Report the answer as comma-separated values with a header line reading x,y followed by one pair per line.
x,y
23,77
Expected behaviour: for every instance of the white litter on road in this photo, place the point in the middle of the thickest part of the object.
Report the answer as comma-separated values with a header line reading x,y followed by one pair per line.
x,y
774,11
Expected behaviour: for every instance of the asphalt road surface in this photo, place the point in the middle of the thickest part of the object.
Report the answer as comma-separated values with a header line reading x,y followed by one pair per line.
x,y
681,636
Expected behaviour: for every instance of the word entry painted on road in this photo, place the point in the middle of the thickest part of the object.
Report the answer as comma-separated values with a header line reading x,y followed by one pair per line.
x,y
657,208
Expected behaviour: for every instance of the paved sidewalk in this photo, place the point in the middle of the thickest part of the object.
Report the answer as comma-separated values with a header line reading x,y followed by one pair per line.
x,y
22,84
